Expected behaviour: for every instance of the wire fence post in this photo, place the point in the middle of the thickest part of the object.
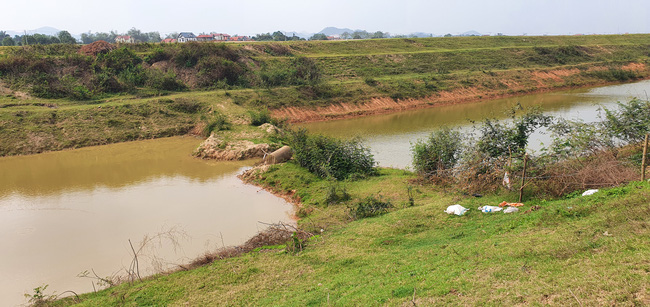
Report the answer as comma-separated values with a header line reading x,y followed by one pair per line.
x,y
643,159
523,179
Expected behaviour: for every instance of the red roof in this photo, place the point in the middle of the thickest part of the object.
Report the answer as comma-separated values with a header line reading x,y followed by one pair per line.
x,y
124,37
169,40
204,36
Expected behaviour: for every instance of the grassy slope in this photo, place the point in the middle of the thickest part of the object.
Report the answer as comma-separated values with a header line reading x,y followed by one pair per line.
x,y
353,72
583,250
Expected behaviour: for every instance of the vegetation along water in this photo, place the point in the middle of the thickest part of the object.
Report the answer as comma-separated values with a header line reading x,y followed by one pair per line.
x,y
357,222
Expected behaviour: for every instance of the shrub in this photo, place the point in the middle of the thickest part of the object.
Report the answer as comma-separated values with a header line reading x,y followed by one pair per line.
x,y
498,138
157,55
260,117
369,207
336,194
118,60
630,122
219,122
329,157
437,154
159,80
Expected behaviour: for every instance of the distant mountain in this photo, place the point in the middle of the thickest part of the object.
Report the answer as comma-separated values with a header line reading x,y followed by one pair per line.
x,y
421,34
304,35
336,31
471,33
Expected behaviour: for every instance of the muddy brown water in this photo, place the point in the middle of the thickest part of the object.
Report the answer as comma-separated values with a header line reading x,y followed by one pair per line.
x,y
63,213
390,136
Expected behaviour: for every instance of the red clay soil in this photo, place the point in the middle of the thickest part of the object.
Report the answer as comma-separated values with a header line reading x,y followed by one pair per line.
x,y
546,81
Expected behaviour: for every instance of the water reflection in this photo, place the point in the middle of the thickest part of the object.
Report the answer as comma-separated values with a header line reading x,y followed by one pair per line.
x,y
114,166
66,212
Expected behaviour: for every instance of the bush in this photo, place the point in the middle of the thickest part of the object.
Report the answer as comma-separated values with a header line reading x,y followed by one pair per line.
x,y
299,71
219,122
159,80
438,154
260,117
329,157
499,139
336,194
630,122
369,207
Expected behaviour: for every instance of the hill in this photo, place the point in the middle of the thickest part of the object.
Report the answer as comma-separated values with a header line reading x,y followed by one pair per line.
x,y
335,31
299,81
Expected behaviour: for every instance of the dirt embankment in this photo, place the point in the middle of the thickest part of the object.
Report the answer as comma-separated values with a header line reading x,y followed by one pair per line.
x,y
234,147
522,83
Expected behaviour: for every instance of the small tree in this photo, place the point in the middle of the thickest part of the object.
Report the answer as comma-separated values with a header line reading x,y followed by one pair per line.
x,y
498,138
630,122
437,154
8,41
319,37
66,38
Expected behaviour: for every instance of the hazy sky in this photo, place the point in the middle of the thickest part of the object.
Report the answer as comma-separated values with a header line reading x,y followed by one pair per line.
x,y
394,16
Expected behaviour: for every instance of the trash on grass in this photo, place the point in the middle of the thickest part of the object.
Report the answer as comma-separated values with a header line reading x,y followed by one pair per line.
x,y
511,210
456,209
590,192
505,203
488,209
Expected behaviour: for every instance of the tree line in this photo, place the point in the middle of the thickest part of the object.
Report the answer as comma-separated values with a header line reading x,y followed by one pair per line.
x,y
63,37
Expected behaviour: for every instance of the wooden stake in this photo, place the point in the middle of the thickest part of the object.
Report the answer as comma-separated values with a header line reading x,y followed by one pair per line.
x,y
523,178
643,160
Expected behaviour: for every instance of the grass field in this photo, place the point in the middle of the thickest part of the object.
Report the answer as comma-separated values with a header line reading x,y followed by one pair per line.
x,y
129,94
573,251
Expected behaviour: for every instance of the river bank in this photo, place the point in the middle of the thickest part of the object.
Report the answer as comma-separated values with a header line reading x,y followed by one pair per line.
x,y
296,81
544,81
418,254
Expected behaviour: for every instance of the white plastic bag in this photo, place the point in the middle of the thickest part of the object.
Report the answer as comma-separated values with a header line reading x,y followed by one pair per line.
x,y
511,210
590,192
456,209
488,209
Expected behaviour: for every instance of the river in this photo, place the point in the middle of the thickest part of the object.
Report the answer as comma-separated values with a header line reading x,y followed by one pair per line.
x,y
390,136
63,213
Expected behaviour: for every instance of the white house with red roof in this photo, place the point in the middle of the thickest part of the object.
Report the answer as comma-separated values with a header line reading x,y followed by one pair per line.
x,y
124,39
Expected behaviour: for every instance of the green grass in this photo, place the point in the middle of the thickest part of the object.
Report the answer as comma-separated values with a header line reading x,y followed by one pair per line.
x,y
577,251
352,72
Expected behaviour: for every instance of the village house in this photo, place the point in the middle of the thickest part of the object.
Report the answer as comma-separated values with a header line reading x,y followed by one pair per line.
x,y
168,40
239,38
222,37
184,37
205,38
124,39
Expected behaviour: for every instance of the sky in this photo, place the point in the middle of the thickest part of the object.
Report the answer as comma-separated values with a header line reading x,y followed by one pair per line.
x,y
249,17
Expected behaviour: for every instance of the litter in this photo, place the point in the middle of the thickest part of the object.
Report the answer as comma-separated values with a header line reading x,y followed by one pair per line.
x,y
456,209
511,210
533,208
506,181
488,209
590,192
505,203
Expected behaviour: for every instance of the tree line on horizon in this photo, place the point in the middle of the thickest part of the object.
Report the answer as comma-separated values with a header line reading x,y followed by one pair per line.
x,y
64,37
